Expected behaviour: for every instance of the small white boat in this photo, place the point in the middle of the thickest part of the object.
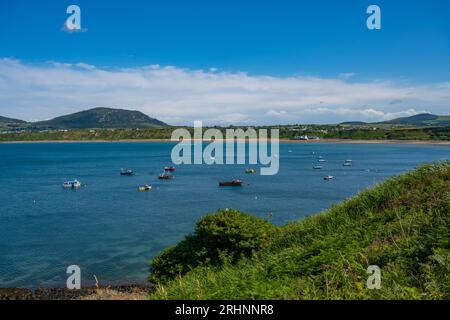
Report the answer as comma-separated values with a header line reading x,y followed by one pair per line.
x,y
321,160
328,177
317,167
348,163
72,184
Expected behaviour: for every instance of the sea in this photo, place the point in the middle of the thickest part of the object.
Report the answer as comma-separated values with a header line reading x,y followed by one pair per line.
x,y
111,230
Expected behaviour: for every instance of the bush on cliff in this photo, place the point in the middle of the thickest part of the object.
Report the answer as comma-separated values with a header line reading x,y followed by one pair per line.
x,y
223,237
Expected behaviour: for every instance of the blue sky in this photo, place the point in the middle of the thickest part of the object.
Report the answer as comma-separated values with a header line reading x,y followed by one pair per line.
x,y
281,40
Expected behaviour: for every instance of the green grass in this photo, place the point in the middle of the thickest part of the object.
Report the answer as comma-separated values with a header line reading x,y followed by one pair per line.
x,y
401,225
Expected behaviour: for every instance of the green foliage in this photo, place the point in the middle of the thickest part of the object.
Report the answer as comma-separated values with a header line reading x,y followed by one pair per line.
x,y
223,237
402,225
89,135
146,131
432,133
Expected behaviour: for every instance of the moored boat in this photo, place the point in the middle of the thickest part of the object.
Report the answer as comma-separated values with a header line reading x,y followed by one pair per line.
x,y
328,177
165,176
146,187
126,172
317,167
169,169
250,171
72,184
232,183
348,163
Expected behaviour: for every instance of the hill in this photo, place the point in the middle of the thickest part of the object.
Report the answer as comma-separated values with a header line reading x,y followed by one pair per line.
x,y
354,123
418,120
423,119
101,118
10,120
6,123
401,226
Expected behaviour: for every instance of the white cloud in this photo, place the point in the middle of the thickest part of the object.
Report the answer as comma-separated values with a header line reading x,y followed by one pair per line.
x,y
179,96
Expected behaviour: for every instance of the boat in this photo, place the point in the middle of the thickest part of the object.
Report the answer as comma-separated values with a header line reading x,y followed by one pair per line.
x,y
72,184
348,163
165,176
328,177
146,187
321,160
169,169
126,172
250,171
317,167
232,183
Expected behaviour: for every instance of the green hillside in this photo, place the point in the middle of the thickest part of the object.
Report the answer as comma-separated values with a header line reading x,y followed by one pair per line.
x,y
424,119
6,123
101,118
401,225
418,120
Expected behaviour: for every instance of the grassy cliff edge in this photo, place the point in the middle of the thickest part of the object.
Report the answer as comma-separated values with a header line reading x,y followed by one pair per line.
x,y
401,225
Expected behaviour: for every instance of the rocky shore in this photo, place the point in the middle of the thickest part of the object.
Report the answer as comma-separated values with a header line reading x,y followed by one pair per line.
x,y
122,292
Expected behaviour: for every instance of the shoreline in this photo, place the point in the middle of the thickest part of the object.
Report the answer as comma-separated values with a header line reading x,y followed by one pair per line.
x,y
331,140
117,292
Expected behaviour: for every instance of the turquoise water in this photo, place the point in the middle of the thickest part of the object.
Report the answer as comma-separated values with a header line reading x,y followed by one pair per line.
x,y
111,230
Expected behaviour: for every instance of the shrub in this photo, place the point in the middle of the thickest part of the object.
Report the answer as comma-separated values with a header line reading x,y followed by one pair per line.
x,y
223,237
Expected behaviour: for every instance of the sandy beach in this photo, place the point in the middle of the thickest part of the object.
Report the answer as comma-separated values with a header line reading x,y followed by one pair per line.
x,y
342,141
